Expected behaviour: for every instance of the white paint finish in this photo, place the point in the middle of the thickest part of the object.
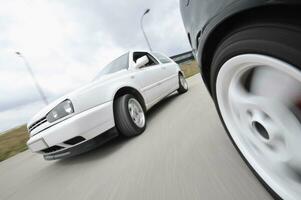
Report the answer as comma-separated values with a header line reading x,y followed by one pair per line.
x,y
37,145
141,62
149,79
92,113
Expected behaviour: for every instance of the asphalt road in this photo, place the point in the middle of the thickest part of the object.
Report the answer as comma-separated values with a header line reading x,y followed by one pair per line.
x,y
183,154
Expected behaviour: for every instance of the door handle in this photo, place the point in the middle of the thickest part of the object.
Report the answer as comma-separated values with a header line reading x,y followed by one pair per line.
x,y
163,67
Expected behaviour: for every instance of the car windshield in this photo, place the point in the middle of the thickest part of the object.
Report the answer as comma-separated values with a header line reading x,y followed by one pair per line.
x,y
116,65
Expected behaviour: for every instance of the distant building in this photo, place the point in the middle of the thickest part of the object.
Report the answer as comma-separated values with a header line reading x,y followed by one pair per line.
x,y
180,58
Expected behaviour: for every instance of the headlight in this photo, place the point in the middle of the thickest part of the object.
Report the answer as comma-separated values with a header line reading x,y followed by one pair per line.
x,y
61,110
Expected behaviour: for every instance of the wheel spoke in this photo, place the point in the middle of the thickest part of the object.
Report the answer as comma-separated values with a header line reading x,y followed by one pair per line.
x,y
275,84
238,95
241,101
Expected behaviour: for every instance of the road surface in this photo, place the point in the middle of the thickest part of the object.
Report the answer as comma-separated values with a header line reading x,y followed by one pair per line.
x,y
184,154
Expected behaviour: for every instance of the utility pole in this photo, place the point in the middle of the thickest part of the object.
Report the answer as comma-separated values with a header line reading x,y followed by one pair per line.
x,y
36,83
141,24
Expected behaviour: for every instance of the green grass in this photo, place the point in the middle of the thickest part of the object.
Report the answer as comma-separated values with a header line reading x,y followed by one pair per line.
x,y
13,142
190,68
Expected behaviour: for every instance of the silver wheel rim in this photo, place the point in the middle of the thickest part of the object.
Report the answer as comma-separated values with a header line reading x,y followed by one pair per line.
x,y
262,118
183,82
136,112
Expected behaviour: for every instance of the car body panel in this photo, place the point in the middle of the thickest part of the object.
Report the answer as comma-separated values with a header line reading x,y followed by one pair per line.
x,y
149,82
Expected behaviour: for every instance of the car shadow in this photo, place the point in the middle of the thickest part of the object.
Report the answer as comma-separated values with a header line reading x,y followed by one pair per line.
x,y
114,144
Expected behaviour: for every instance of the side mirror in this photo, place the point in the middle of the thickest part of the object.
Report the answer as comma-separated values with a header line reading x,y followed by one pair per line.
x,y
140,62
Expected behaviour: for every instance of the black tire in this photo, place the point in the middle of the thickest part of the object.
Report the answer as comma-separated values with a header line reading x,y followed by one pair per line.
x,y
123,120
272,39
182,89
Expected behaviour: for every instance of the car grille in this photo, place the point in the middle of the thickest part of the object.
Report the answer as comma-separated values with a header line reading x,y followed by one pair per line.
x,y
36,124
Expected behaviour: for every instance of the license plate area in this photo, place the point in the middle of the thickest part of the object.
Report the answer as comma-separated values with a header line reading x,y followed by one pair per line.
x,y
38,145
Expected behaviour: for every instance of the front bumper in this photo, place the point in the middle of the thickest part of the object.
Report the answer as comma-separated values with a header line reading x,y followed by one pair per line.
x,y
87,125
83,147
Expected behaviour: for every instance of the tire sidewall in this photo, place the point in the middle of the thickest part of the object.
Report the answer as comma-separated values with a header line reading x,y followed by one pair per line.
x,y
182,89
133,129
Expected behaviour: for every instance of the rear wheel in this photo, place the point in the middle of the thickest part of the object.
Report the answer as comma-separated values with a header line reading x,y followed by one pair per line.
x,y
183,85
256,85
129,116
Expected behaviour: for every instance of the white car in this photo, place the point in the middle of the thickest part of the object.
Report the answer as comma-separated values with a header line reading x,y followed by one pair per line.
x,y
114,103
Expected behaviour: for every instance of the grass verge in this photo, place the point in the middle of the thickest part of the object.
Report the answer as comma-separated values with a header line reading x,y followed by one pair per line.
x,y
190,68
13,142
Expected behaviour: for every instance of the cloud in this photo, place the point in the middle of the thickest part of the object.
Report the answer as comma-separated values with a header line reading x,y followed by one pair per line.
x,y
12,117
67,42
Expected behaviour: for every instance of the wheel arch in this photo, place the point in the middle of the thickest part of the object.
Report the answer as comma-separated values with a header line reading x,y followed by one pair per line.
x,y
268,13
181,73
130,90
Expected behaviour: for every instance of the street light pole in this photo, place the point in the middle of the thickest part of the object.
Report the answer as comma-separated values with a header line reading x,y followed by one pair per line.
x,y
38,87
141,24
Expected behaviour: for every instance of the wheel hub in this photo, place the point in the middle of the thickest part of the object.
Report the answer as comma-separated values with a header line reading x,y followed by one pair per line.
x,y
136,112
261,130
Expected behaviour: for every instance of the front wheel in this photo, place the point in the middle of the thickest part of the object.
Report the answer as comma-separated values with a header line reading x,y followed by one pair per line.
x,y
256,85
129,116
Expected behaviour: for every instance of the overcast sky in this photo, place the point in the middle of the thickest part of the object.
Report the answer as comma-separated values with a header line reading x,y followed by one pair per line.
x,y
67,42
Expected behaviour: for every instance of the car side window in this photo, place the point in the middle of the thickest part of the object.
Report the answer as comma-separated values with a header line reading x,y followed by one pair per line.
x,y
152,61
163,59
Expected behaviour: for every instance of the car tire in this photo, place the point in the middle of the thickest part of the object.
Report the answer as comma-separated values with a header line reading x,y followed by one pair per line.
x,y
129,116
183,85
274,42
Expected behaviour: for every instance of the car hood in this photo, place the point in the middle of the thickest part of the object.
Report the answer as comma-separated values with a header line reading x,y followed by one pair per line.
x,y
100,81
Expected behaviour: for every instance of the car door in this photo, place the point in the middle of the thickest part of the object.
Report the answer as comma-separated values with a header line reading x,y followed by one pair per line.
x,y
149,78
170,73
